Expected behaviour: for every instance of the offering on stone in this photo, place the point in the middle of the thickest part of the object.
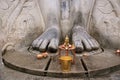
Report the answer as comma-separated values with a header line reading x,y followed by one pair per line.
x,y
43,55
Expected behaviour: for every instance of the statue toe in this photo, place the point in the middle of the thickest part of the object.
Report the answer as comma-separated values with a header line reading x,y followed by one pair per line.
x,y
53,45
43,45
78,46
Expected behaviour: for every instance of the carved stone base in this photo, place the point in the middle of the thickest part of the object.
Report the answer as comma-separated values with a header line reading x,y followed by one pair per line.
x,y
91,66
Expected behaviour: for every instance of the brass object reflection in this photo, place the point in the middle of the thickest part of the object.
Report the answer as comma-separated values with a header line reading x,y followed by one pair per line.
x,y
65,63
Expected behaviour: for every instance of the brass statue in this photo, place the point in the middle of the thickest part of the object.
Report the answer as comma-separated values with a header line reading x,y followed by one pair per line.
x,y
67,47
66,42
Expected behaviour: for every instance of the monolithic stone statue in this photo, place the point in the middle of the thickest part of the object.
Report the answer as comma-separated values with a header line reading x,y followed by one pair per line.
x,y
48,21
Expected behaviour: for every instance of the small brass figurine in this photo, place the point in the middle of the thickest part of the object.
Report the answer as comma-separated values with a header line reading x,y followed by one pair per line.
x,y
66,46
66,42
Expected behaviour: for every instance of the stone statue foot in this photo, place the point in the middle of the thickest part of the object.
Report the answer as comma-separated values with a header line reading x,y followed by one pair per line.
x,y
82,40
49,40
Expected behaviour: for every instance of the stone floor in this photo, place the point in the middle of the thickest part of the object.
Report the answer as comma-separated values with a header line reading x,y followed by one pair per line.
x,y
9,74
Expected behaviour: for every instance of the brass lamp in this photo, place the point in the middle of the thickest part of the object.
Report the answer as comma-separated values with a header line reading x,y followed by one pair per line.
x,y
67,47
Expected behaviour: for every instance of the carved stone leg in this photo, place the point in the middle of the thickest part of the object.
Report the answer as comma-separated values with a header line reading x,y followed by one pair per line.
x,y
81,39
49,40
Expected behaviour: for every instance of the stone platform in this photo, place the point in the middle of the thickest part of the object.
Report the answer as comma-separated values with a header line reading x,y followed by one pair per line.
x,y
91,66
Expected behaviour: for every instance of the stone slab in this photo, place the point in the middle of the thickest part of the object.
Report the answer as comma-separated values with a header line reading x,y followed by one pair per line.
x,y
103,63
25,62
77,69
91,66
